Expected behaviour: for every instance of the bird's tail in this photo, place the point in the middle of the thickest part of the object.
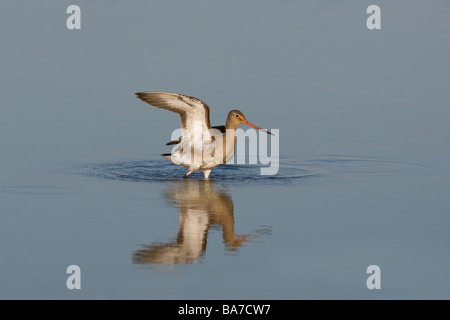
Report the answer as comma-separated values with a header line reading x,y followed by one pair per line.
x,y
173,142
168,156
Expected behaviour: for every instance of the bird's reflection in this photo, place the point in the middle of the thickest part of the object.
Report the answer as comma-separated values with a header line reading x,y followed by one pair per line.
x,y
201,205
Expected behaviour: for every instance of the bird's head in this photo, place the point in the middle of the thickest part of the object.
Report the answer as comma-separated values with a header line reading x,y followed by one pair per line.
x,y
236,117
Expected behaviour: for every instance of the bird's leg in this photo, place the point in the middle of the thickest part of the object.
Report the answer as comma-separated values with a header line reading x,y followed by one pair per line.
x,y
188,173
206,173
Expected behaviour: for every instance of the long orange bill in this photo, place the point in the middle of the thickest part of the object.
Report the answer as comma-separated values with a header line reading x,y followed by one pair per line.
x,y
256,127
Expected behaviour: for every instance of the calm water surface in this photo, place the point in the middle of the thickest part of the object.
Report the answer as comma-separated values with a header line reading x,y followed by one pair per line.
x,y
364,151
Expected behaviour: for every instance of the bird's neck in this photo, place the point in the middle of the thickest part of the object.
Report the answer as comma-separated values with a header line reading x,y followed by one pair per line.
x,y
230,124
229,143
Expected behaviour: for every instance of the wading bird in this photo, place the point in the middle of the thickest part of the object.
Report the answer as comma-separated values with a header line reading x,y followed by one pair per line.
x,y
201,147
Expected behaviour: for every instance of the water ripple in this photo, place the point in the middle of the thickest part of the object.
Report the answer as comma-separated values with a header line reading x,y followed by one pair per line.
x,y
162,170
290,170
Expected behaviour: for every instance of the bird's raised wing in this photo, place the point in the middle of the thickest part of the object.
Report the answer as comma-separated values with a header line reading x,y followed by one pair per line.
x,y
195,123
192,111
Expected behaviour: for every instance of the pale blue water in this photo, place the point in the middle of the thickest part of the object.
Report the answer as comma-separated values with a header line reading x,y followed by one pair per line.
x,y
364,151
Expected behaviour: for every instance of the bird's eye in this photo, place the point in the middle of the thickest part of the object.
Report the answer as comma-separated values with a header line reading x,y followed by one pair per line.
x,y
237,116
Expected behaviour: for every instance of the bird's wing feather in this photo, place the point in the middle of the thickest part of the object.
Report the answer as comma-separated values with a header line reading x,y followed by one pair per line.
x,y
187,107
220,128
